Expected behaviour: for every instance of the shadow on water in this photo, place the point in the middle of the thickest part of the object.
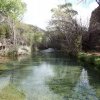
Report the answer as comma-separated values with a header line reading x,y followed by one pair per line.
x,y
50,77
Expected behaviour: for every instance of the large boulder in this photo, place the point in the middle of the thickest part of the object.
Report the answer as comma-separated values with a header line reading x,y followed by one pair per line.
x,y
94,30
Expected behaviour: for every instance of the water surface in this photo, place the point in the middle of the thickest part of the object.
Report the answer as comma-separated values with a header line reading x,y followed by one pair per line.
x,y
49,77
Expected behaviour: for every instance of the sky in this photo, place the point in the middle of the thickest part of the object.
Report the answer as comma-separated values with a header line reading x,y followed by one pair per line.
x,y
38,11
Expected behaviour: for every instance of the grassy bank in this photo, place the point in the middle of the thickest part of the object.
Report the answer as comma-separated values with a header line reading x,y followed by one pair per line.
x,y
91,59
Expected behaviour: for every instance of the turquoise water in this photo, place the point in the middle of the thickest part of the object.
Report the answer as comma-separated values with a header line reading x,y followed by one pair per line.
x,y
51,77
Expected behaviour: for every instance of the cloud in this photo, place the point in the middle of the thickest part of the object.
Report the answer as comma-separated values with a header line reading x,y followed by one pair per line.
x,y
84,12
38,11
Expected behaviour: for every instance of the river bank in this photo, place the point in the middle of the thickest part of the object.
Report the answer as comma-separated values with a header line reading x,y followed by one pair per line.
x,y
91,59
4,59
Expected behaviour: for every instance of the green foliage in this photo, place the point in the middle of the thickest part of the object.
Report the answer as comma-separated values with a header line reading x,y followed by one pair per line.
x,y
63,31
32,34
90,59
26,34
4,30
63,12
82,56
97,62
12,8
3,68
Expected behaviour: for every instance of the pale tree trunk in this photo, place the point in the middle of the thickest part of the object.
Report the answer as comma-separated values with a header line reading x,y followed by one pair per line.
x,y
11,24
14,34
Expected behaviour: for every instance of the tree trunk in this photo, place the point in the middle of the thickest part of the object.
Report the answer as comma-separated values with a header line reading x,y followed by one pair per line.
x,y
13,38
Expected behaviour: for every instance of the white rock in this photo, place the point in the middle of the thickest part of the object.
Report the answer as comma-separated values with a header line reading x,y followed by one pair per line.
x,y
24,50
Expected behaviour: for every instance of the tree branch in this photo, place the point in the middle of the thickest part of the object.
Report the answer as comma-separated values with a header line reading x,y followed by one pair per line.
x,y
98,1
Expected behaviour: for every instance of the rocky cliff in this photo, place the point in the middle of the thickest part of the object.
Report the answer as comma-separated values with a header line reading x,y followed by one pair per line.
x,y
94,30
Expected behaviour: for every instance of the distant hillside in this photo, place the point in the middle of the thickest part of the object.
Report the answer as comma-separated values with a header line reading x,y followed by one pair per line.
x,y
29,33
23,31
22,27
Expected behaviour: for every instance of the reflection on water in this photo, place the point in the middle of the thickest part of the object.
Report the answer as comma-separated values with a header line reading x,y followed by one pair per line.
x,y
83,89
48,77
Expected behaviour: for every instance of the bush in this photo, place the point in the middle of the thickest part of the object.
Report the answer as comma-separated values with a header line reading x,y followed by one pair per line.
x,y
90,59
82,56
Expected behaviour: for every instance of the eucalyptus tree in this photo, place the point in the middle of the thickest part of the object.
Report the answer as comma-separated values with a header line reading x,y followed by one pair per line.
x,y
64,32
12,10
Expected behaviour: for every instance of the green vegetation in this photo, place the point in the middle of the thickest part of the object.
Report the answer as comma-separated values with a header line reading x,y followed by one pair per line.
x,y
43,76
63,33
49,77
26,35
90,59
6,67
11,93
12,10
2,68
4,30
14,34
32,35
64,80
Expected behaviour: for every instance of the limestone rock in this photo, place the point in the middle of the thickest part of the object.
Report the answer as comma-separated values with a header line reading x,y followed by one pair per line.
x,y
24,50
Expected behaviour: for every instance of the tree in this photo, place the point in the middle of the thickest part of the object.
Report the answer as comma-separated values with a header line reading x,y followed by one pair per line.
x,y
13,10
64,32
